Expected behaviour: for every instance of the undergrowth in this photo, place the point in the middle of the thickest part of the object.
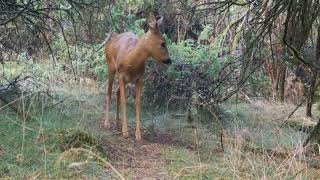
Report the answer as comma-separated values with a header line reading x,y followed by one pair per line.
x,y
50,145
64,138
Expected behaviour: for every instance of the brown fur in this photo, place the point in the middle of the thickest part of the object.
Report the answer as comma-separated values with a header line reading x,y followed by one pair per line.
x,y
126,55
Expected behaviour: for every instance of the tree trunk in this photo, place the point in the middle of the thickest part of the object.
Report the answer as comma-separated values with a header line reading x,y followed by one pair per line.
x,y
315,135
282,80
314,77
311,93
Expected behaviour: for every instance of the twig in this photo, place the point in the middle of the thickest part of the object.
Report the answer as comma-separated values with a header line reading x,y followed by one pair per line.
x,y
17,123
104,42
59,102
16,110
246,97
17,15
217,118
295,109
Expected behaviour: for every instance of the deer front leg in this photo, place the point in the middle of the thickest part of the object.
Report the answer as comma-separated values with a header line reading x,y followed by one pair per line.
x,y
122,85
139,84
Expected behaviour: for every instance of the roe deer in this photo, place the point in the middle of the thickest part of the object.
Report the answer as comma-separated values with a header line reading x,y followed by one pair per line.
x,y
126,56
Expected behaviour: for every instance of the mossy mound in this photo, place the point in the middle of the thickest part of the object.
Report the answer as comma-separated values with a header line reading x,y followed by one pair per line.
x,y
76,138
302,124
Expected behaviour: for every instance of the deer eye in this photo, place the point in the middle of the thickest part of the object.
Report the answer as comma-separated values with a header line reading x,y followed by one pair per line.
x,y
163,45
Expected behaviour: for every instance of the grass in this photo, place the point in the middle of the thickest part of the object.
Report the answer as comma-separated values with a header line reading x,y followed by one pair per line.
x,y
66,141
255,146
34,148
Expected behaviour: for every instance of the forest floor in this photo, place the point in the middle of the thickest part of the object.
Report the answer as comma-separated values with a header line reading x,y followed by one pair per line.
x,y
68,141
165,156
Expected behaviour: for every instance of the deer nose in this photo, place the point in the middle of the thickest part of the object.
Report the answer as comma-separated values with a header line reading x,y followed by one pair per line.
x,y
168,61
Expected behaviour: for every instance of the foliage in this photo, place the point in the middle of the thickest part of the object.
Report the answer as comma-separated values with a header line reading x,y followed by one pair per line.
x,y
258,85
206,33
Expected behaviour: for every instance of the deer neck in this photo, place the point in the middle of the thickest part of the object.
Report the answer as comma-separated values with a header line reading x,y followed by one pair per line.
x,y
138,56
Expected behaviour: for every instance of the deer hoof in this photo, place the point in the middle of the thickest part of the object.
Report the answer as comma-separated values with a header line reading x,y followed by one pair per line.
x,y
125,134
138,136
118,125
107,125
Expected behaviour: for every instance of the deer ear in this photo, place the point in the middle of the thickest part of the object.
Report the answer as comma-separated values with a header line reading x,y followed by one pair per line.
x,y
159,22
152,22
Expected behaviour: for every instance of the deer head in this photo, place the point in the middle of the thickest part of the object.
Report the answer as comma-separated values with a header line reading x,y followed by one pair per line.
x,y
155,43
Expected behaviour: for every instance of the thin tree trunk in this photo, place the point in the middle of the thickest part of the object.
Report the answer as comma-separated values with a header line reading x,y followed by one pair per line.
x,y
313,81
311,93
315,135
282,80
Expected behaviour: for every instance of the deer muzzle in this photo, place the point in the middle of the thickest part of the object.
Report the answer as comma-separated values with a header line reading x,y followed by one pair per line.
x,y
168,61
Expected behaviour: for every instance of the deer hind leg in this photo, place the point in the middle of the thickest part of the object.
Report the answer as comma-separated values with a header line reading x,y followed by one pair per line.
x,y
122,85
118,109
108,98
